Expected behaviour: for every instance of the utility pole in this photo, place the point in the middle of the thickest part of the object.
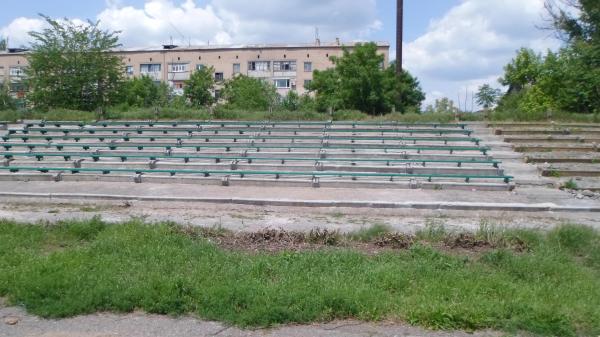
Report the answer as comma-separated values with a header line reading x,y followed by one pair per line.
x,y
399,35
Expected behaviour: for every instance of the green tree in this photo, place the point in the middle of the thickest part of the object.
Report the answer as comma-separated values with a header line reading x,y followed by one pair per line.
x,y
360,82
243,92
3,44
442,105
404,92
291,101
6,100
575,20
522,71
198,89
325,85
144,92
487,96
578,64
70,66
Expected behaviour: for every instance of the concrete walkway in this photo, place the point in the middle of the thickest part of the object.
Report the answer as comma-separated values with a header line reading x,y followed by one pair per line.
x,y
142,325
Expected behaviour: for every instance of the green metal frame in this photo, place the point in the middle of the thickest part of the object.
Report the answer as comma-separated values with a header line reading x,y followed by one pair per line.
x,y
96,157
138,130
229,147
207,138
242,174
237,123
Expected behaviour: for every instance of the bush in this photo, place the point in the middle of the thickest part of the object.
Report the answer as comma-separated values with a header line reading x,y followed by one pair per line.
x,y
247,93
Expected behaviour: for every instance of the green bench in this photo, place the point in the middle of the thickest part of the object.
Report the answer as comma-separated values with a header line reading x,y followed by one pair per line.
x,y
239,123
228,148
242,174
186,158
235,138
139,130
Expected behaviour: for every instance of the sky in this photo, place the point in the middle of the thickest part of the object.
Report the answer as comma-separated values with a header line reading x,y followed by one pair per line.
x,y
451,46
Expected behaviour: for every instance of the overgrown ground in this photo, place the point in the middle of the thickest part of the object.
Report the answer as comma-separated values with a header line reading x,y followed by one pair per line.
x,y
222,114
228,114
511,280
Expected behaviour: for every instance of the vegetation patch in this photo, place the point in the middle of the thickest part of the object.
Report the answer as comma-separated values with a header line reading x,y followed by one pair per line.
x,y
77,268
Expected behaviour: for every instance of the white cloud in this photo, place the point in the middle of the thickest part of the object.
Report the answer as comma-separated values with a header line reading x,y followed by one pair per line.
x,y
227,21
159,20
470,45
18,30
296,20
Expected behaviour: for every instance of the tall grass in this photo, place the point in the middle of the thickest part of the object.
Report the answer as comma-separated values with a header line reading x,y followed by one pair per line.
x,y
84,267
221,113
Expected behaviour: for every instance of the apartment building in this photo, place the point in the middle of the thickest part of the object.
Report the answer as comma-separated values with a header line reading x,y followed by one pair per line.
x,y
287,66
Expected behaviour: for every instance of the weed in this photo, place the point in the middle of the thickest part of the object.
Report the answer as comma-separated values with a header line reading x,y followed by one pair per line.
x,y
552,173
434,231
571,185
395,241
370,233
324,237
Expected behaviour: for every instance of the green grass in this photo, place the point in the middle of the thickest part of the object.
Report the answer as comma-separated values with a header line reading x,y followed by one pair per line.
x,y
571,185
85,267
221,113
368,234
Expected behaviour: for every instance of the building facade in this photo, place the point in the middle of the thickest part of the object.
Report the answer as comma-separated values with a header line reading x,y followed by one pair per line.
x,y
288,67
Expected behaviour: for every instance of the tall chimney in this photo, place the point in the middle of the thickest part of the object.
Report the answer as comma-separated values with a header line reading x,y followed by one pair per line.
x,y
399,35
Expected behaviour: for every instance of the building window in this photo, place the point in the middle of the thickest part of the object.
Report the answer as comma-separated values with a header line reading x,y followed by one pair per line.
x,y
237,68
307,84
217,94
259,66
129,70
284,66
200,67
149,68
282,83
308,67
219,77
16,71
178,67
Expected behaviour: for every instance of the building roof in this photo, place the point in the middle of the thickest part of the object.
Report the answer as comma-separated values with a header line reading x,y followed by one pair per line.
x,y
224,47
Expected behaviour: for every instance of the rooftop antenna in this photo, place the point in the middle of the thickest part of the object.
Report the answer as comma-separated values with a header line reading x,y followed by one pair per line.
x,y
172,26
317,37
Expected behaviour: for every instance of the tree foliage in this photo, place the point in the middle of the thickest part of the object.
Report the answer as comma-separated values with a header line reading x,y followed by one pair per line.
x,y
6,101
243,92
522,71
3,44
568,80
442,105
359,82
199,88
405,91
487,96
143,92
70,67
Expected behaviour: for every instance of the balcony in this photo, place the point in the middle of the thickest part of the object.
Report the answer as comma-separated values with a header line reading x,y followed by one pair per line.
x,y
259,73
179,76
154,75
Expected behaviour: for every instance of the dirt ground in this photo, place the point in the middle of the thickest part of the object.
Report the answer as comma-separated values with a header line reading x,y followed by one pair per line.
x,y
242,218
